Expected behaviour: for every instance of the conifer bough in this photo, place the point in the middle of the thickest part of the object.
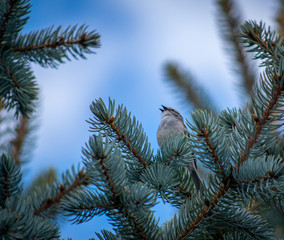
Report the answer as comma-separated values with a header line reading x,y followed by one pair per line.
x,y
48,47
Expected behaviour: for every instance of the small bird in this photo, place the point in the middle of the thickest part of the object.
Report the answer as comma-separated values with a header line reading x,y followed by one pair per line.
x,y
172,122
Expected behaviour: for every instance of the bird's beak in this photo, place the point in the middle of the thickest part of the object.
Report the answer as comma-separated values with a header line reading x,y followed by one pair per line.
x,y
164,108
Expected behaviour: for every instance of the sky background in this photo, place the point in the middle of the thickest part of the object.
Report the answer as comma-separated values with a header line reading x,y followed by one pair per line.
x,y
137,39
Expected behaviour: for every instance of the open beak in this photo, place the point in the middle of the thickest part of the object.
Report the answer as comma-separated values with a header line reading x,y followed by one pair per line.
x,y
164,108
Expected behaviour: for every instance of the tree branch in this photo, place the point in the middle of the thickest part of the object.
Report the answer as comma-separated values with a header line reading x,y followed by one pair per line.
x,y
280,18
276,94
81,179
269,176
108,177
10,73
194,93
122,137
21,132
231,33
206,212
136,224
53,44
204,133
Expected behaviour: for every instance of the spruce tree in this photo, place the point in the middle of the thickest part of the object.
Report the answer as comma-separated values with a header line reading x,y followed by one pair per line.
x,y
121,176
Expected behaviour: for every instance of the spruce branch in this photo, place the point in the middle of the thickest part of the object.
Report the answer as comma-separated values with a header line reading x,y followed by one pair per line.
x,y
229,22
177,153
50,47
51,199
130,209
251,225
202,223
255,136
206,121
185,187
107,235
128,205
104,165
277,149
136,211
191,219
18,222
22,130
194,94
252,206
257,179
204,213
211,150
269,106
265,181
10,178
13,18
122,137
18,89
266,44
137,225
268,97
17,86
119,126
6,17
102,161
85,204
82,40
165,180
17,135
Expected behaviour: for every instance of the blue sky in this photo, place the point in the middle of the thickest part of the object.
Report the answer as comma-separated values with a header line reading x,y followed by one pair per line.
x,y
137,38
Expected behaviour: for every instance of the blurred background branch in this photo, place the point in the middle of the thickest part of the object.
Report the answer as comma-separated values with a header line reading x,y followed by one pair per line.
x,y
185,84
279,18
228,21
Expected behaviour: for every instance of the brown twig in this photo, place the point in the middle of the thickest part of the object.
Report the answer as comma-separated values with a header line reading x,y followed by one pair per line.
x,y
204,133
63,191
136,224
206,212
270,49
22,130
53,44
108,177
269,176
252,206
122,137
11,74
263,120
114,192
93,207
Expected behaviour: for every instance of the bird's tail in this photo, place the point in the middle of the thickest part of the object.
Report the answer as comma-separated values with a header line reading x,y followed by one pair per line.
x,y
196,178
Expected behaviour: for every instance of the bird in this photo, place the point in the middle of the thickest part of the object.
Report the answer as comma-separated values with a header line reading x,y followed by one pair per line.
x,y
171,123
